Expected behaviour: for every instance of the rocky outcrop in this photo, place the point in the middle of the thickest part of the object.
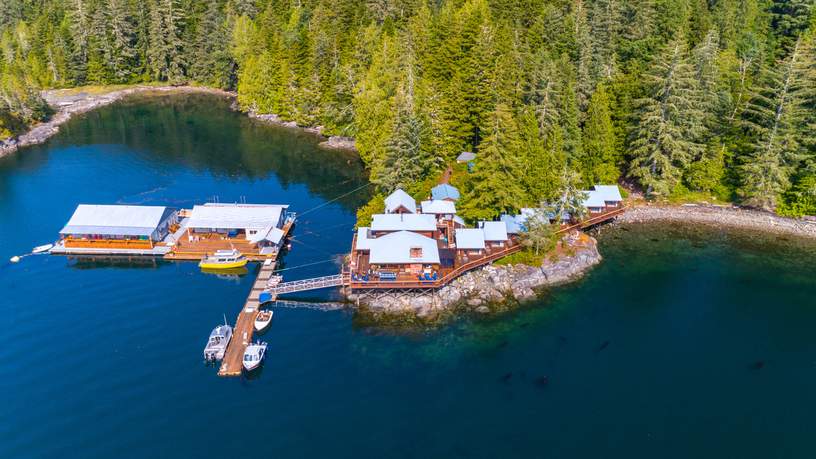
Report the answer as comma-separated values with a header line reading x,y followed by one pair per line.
x,y
492,288
334,142
68,103
722,217
337,142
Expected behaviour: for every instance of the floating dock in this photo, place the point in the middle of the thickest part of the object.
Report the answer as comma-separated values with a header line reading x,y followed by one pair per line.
x,y
245,324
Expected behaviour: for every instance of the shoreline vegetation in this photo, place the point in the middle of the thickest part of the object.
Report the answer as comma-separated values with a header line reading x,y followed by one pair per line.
x,y
70,102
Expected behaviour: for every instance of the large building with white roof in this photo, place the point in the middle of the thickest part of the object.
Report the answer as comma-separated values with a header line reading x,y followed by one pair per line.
x,y
117,226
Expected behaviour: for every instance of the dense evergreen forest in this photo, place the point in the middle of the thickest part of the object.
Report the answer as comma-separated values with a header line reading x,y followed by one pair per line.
x,y
671,96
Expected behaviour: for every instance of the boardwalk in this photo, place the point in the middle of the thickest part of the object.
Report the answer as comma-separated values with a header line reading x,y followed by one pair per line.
x,y
244,325
449,275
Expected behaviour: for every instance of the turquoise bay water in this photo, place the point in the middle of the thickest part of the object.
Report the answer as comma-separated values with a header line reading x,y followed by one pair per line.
x,y
680,344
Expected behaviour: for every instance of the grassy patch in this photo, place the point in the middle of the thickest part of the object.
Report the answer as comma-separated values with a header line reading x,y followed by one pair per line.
x,y
103,89
525,257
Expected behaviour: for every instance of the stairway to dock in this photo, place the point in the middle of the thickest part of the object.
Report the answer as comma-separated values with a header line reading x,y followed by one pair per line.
x,y
303,285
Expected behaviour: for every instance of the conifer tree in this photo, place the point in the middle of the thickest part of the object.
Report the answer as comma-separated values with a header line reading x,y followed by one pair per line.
x,y
776,116
165,49
668,122
495,184
211,64
598,157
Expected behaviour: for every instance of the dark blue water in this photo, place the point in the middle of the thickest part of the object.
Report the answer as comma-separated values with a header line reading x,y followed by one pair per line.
x,y
681,344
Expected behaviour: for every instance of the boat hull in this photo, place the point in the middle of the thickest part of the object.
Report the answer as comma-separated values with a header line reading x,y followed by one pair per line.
x,y
214,266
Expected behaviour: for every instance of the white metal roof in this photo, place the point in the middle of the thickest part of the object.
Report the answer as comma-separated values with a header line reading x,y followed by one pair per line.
x,y
116,220
363,241
470,238
399,222
594,199
609,193
399,199
235,216
466,156
494,231
271,234
395,248
438,207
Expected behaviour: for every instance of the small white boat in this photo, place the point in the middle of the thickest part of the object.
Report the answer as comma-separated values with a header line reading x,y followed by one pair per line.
x,y
42,248
254,355
217,343
263,319
274,280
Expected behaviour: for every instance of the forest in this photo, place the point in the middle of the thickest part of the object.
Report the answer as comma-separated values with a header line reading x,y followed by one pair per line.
x,y
673,98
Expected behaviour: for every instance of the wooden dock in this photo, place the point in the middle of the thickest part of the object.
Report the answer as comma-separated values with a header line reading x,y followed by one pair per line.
x,y
245,324
244,328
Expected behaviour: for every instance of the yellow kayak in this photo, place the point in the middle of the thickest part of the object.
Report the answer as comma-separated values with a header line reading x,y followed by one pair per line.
x,y
223,260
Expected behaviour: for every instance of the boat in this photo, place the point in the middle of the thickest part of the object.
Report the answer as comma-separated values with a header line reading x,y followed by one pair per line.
x,y
217,344
274,280
263,319
42,248
254,355
223,259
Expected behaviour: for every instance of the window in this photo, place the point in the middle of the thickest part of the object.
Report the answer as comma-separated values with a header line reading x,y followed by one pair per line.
x,y
416,252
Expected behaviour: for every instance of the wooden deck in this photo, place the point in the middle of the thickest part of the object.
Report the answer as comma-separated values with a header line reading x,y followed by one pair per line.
x,y
245,324
196,250
446,275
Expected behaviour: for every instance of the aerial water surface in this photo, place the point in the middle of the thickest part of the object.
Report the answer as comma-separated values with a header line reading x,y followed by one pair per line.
x,y
682,343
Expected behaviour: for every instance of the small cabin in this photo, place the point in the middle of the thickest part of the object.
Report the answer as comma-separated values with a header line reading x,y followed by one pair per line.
x,y
602,198
495,234
445,192
424,224
400,202
470,241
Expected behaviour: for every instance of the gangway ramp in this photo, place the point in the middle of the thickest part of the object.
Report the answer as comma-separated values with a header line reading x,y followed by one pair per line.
x,y
303,285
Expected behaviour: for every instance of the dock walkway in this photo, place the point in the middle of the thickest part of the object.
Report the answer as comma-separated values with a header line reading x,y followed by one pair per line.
x,y
245,324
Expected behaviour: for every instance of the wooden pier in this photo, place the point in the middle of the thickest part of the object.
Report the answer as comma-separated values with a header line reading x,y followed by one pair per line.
x,y
245,324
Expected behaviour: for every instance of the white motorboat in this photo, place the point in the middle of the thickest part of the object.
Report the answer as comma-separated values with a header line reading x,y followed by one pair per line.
x,y
42,248
263,319
217,344
254,355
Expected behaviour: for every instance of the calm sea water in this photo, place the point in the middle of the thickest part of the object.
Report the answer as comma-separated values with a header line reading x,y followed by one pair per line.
x,y
681,344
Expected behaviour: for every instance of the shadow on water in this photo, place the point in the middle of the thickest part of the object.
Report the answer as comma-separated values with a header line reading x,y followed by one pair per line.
x,y
122,262
202,132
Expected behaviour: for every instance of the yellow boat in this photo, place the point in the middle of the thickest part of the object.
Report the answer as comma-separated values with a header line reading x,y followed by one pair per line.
x,y
223,259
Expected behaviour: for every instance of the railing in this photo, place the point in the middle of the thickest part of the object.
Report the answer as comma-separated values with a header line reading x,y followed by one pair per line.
x,y
306,284
458,271
108,243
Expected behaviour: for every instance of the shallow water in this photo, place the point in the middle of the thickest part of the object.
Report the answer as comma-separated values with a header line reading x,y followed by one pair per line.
x,y
680,344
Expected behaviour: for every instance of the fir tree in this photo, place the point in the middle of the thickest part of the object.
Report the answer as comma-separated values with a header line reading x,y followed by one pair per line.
x,y
668,123
495,185
598,157
776,116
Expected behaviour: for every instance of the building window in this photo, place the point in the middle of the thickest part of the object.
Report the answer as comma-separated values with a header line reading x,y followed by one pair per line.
x,y
416,252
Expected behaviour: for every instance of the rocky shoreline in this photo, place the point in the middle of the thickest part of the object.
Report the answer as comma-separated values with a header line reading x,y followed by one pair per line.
x,y
721,217
334,142
489,289
67,104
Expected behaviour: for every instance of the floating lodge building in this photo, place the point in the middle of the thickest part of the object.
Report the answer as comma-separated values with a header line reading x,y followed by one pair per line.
x,y
257,230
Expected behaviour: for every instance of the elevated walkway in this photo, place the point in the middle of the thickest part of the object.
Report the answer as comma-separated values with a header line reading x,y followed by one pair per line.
x,y
315,283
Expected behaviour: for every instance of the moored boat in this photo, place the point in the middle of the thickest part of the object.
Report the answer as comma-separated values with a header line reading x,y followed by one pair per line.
x,y
263,319
42,248
217,343
223,260
254,355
